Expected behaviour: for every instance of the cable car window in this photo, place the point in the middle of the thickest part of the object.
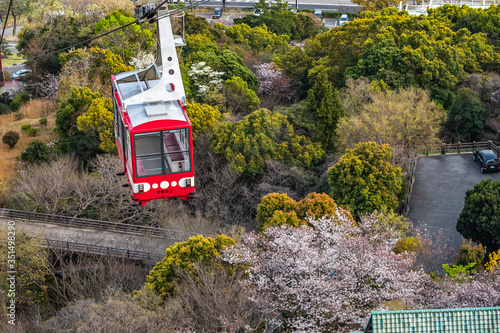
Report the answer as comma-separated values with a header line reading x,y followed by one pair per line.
x,y
177,150
161,153
148,154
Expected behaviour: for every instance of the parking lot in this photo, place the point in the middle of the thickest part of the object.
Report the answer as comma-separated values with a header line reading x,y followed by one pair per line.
x,y
439,191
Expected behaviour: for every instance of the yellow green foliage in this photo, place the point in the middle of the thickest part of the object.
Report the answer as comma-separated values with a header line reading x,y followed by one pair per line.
x,y
272,203
408,244
181,258
279,209
468,253
316,205
99,119
31,263
364,179
239,97
90,68
71,108
405,119
203,117
494,261
195,41
402,50
260,136
258,38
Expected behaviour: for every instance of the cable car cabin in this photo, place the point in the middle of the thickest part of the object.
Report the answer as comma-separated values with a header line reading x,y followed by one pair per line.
x,y
153,132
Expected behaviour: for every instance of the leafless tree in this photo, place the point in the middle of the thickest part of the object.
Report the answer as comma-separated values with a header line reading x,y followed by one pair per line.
x,y
434,249
217,301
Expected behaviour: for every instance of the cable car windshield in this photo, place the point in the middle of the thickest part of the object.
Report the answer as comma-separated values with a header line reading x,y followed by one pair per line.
x,y
162,152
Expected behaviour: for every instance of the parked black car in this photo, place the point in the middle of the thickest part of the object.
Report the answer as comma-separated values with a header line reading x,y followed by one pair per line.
x,y
487,160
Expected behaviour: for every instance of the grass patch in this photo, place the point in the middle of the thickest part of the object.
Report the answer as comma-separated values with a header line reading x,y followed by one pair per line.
x,y
32,112
13,60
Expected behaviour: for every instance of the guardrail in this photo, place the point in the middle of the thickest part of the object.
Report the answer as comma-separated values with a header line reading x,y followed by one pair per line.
x,y
95,224
99,250
459,147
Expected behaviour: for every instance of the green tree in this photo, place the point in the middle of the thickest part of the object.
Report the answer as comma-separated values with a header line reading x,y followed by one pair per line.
x,y
404,119
89,68
316,205
364,180
181,258
258,38
466,116
10,138
374,5
98,121
31,263
480,219
225,61
203,117
36,152
323,100
71,108
471,254
279,20
261,136
278,209
139,39
239,97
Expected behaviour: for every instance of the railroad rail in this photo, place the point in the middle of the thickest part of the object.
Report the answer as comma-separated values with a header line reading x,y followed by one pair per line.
x,y
95,224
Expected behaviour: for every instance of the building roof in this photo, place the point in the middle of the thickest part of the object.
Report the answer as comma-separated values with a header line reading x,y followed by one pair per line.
x,y
468,320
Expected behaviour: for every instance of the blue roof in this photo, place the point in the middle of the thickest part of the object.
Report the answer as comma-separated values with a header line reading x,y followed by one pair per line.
x,y
468,320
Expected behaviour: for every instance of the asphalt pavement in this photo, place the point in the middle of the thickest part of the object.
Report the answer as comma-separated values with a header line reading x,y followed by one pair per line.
x,y
439,191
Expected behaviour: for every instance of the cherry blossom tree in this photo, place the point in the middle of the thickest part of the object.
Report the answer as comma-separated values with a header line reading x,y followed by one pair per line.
x,y
274,85
327,276
478,290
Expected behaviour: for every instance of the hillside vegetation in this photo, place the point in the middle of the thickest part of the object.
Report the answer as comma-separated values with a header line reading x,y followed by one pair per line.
x,y
303,138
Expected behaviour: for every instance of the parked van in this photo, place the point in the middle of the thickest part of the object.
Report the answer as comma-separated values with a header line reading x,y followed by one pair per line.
x,y
319,14
217,13
343,19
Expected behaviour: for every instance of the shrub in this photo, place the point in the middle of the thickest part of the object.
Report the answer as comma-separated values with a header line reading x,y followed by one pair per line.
x,y
32,132
36,152
20,98
25,128
5,98
43,122
4,109
468,254
18,115
10,138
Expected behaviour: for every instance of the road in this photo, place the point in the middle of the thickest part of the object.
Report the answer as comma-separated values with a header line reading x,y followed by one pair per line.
x,y
325,5
439,191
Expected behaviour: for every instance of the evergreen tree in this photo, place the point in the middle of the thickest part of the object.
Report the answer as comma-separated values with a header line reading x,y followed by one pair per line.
x,y
324,102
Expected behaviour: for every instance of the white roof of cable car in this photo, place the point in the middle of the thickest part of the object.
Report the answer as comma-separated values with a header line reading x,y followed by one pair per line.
x,y
159,109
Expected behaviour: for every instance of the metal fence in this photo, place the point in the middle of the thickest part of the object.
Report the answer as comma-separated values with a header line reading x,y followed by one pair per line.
x,y
446,148
94,224
99,250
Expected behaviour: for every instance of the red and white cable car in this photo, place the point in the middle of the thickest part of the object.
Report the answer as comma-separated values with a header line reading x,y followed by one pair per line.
x,y
153,132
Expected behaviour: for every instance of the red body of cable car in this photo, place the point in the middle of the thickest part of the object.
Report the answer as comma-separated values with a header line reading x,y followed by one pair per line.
x,y
153,132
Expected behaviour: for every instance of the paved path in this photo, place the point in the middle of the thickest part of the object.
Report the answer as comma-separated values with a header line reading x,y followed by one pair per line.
x,y
439,191
151,244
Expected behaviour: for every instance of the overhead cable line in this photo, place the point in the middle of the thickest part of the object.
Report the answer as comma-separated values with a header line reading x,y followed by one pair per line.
x,y
6,17
175,11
